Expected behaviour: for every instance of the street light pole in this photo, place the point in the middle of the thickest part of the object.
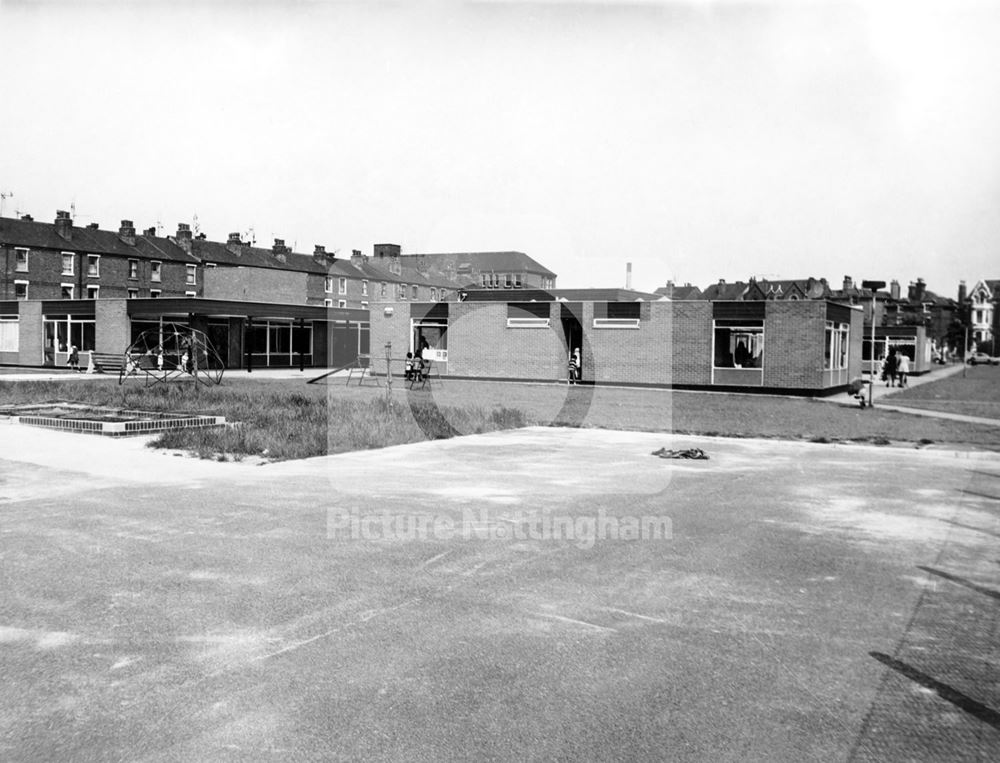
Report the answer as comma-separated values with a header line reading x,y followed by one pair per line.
x,y
874,286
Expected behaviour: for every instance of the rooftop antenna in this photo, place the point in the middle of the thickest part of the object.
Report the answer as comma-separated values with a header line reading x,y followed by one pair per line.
x,y
195,226
250,236
4,195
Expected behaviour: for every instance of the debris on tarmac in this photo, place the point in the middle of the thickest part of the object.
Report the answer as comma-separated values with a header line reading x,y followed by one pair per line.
x,y
693,453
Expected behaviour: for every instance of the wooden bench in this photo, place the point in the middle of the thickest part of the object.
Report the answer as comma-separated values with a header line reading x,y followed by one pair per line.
x,y
107,362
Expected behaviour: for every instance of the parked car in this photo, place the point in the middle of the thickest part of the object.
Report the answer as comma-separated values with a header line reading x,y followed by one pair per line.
x,y
981,358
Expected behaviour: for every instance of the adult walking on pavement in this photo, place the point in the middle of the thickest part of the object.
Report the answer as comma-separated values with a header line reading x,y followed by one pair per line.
x,y
903,369
891,367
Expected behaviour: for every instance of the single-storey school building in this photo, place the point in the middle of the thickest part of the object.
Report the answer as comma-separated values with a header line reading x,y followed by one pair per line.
x,y
809,347
244,334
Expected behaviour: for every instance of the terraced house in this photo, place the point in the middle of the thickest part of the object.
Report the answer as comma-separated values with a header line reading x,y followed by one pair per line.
x,y
62,286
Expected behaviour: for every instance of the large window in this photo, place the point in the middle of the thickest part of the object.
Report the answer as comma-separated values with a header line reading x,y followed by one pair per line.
x,y
156,271
65,331
328,285
21,260
432,334
364,288
66,290
836,345
739,343
278,343
342,286
67,263
192,274
133,269
93,292
8,333
20,289
93,266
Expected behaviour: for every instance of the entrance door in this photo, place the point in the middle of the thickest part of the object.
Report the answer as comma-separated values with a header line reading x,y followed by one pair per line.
x,y
218,335
49,350
573,332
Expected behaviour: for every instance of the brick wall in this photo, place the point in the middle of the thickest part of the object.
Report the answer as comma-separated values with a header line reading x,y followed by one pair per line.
x,y
692,341
794,336
255,285
394,328
112,326
30,334
630,355
45,276
480,344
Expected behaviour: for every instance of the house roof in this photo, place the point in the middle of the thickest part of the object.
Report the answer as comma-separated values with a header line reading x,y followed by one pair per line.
x,y
379,269
42,235
245,255
679,293
724,291
465,263
550,295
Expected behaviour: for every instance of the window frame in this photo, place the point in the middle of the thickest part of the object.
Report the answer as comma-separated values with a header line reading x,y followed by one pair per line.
x,y
21,282
62,291
93,289
133,269
68,264
93,266
191,277
18,252
342,285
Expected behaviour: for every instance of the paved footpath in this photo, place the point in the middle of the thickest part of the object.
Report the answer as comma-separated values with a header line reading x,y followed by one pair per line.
x,y
810,602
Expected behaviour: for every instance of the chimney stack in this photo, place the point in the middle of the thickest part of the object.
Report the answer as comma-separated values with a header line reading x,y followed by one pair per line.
x,y
962,293
93,226
28,218
356,257
894,289
279,247
628,275
669,290
149,232
234,238
64,224
183,237
127,232
848,283
320,250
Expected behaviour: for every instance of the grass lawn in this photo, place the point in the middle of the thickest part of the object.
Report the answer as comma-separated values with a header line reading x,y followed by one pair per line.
x,y
976,393
284,419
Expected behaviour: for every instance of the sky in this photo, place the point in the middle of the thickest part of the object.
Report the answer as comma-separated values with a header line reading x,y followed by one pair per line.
x,y
696,141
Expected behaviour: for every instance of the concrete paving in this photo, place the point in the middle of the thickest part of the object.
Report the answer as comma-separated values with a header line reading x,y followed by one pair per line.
x,y
466,599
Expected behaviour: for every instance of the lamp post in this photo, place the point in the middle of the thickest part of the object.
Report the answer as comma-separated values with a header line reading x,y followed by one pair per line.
x,y
874,286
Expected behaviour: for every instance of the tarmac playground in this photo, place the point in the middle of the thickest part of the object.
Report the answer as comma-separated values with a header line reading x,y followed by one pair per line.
x,y
807,602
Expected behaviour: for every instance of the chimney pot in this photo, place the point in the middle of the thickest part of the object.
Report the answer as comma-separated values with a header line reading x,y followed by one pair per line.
x,y
149,232
320,249
234,238
93,226
28,218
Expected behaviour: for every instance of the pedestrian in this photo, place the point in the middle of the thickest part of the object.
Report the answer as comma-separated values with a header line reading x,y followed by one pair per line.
x,y
74,359
903,369
891,367
574,366
408,367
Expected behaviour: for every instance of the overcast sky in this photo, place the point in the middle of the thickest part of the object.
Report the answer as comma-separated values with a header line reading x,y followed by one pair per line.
x,y
697,141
